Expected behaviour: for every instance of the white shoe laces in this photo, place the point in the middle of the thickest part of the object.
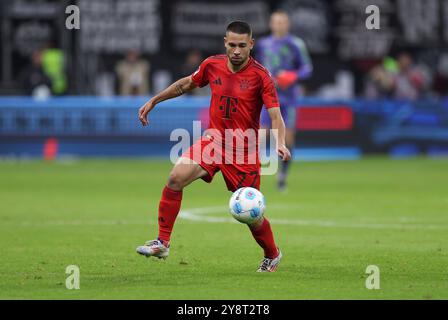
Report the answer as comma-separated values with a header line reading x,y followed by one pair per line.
x,y
265,264
152,243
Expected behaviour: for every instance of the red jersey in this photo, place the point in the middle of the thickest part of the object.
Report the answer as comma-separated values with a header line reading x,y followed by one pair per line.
x,y
236,102
237,98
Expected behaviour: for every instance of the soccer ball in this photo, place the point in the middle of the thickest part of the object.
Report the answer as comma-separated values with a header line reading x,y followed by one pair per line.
x,y
247,205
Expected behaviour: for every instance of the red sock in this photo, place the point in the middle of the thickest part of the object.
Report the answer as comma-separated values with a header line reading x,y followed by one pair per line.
x,y
169,207
264,237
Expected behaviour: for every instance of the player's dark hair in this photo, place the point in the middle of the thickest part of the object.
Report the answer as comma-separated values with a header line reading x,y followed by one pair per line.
x,y
280,11
239,27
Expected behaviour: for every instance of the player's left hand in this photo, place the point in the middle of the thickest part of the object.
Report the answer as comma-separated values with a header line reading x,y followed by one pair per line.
x,y
284,153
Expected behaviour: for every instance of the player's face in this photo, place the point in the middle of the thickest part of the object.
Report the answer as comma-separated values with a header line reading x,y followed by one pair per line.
x,y
279,24
238,47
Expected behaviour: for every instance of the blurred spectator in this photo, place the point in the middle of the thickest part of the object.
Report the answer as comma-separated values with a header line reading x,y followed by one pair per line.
x,y
440,82
399,79
133,74
35,81
380,79
190,65
53,64
409,81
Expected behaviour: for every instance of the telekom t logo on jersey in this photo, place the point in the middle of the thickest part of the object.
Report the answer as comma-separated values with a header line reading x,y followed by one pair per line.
x,y
228,104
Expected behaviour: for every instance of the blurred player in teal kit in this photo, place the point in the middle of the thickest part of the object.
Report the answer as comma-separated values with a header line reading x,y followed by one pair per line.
x,y
286,57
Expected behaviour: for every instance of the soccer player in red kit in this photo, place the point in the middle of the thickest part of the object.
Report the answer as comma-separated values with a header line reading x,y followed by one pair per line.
x,y
240,86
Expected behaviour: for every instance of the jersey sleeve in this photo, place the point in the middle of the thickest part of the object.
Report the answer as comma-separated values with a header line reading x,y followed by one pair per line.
x,y
269,93
200,76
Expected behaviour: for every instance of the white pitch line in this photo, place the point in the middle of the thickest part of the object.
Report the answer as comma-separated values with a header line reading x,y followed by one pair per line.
x,y
199,214
56,223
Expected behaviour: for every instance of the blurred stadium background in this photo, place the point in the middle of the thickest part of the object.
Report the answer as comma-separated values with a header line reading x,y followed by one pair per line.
x,y
74,87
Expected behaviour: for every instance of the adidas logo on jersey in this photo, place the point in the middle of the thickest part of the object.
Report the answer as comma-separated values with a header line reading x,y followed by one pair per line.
x,y
217,81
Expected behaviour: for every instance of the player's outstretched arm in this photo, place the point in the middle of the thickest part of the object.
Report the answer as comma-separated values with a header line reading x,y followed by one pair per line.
x,y
178,88
279,124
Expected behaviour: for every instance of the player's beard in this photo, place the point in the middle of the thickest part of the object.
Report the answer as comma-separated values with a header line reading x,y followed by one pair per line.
x,y
237,62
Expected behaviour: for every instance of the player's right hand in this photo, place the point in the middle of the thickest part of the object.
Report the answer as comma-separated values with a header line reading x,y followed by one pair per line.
x,y
143,113
285,79
284,153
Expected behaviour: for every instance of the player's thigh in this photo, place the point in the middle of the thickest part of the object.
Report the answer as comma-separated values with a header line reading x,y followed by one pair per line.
x,y
241,176
185,171
290,137
289,114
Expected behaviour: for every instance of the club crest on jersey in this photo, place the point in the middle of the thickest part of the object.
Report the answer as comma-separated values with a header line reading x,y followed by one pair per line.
x,y
244,85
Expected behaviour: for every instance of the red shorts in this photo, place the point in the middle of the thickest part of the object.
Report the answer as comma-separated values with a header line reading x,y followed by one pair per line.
x,y
235,175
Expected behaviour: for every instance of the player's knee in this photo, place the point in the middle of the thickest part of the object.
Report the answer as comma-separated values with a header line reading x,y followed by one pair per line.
x,y
175,181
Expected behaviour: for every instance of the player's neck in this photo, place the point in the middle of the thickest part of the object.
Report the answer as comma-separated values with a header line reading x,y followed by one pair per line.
x,y
234,68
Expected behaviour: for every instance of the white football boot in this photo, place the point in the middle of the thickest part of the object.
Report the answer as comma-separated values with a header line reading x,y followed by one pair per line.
x,y
154,248
270,265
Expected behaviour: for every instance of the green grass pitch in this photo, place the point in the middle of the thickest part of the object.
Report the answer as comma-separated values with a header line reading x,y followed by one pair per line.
x,y
336,219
